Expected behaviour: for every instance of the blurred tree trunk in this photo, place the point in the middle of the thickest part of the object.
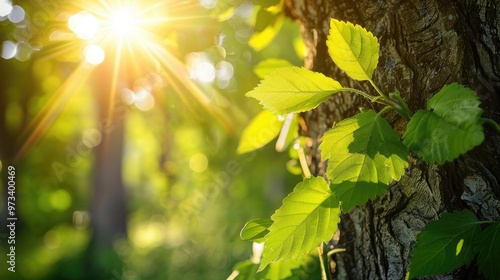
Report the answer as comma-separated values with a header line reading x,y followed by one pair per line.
x,y
424,46
108,204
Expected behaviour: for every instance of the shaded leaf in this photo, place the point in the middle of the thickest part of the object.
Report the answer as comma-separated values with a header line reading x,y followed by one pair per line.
x,y
308,216
488,250
364,155
256,229
262,129
294,89
450,126
353,49
436,249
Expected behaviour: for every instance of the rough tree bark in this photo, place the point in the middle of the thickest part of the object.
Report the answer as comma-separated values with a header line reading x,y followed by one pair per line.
x,y
425,44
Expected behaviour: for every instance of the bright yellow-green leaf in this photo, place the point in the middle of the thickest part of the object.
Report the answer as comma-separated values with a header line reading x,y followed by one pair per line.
x,y
308,216
256,229
293,89
266,67
364,155
260,40
353,49
261,130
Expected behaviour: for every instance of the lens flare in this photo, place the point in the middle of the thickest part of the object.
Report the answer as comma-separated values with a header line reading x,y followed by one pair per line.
x,y
129,39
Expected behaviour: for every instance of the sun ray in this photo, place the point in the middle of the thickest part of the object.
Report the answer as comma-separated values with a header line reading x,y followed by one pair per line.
x,y
131,34
37,127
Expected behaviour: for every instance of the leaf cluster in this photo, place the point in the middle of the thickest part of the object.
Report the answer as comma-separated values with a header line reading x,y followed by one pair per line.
x,y
364,153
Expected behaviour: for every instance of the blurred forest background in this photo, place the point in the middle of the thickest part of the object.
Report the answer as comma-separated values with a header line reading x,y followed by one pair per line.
x,y
125,140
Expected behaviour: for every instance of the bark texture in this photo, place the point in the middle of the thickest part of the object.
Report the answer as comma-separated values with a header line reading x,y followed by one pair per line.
x,y
425,44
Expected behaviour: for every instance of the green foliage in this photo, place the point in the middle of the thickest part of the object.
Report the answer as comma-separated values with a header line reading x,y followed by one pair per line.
x,y
308,216
293,89
307,268
450,126
454,241
353,49
261,130
364,155
436,248
488,248
256,230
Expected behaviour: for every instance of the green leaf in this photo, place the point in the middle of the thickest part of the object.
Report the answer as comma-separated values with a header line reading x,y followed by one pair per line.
x,y
308,216
450,126
308,268
261,130
247,270
260,40
489,251
294,89
256,229
353,49
364,155
436,247
266,67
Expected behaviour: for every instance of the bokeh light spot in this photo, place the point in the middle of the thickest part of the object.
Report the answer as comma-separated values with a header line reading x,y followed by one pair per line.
x,y
91,137
51,239
144,101
148,235
84,25
94,54
5,8
81,219
208,4
128,96
198,162
17,14
200,67
9,49
60,200
23,51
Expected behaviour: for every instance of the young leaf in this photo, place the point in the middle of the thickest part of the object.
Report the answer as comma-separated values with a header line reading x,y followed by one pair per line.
x,y
364,155
308,216
261,130
353,49
436,249
488,250
256,229
294,89
450,126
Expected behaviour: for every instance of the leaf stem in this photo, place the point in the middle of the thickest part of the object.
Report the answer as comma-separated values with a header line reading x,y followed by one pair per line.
x,y
303,162
362,93
324,260
378,90
335,251
492,123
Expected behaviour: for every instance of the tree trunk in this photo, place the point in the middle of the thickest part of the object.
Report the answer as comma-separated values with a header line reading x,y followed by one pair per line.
x,y
424,46
108,205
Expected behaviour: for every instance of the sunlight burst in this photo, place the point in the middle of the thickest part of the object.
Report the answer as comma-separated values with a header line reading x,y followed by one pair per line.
x,y
122,23
130,39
